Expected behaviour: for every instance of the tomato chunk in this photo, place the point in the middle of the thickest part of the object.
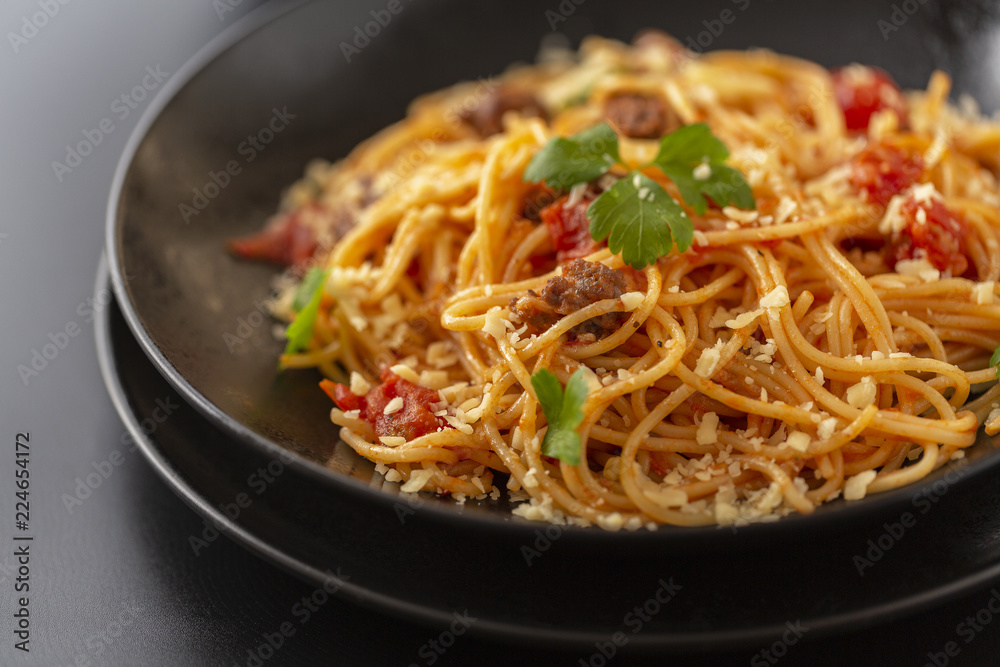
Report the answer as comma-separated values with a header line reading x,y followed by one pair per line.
x,y
881,171
414,419
569,228
862,90
285,242
932,232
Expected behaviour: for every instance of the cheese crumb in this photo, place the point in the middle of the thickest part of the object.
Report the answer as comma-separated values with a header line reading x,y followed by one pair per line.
x,y
405,372
983,293
743,320
708,430
776,298
707,362
702,172
862,394
856,487
826,428
359,385
417,480
798,440
918,267
392,440
632,300
494,324
393,406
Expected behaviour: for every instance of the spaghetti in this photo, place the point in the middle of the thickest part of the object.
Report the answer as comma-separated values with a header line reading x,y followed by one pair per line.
x,y
832,341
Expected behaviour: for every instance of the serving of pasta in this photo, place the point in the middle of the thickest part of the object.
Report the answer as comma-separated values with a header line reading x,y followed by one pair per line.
x,y
632,286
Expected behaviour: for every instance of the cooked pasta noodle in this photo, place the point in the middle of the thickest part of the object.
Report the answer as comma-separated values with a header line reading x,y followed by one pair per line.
x,y
832,342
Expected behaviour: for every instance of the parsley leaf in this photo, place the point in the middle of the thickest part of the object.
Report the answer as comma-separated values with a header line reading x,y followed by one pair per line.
x,y
563,411
637,216
562,163
299,332
307,288
640,220
995,361
681,154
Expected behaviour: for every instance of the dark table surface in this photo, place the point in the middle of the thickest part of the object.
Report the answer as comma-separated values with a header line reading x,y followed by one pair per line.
x,y
112,578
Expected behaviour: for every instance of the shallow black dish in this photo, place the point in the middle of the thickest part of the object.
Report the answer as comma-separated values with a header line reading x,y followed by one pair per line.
x,y
187,183
580,586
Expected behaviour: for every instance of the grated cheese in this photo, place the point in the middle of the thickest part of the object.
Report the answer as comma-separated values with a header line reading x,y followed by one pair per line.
x,y
418,478
707,362
708,430
826,428
983,293
856,487
392,440
862,394
632,300
798,440
918,267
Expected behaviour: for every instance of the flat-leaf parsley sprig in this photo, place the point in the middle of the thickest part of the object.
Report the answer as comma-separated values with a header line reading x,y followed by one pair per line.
x,y
306,306
563,411
639,218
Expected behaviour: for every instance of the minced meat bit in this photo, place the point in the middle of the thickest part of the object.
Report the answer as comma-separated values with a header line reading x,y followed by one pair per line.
x,y
640,115
487,116
581,284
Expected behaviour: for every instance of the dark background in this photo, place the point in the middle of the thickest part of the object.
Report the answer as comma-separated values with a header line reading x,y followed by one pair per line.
x,y
114,582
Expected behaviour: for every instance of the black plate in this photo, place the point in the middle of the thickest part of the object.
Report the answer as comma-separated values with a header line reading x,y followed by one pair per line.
x,y
539,584
188,303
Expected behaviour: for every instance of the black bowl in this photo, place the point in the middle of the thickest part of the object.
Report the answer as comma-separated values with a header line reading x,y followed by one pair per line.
x,y
295,81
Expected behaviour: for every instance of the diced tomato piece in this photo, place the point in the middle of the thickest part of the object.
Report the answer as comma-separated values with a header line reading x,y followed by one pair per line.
x,y
862,90
882,171
569,228
285,242
414,419
937,234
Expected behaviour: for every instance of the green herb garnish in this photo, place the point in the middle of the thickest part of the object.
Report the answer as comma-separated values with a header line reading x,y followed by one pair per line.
x,y
637,216
563,412
306,303
995,361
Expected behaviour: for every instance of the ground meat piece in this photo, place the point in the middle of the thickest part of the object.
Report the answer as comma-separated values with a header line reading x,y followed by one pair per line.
x,y
487,116
640,115
581,284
